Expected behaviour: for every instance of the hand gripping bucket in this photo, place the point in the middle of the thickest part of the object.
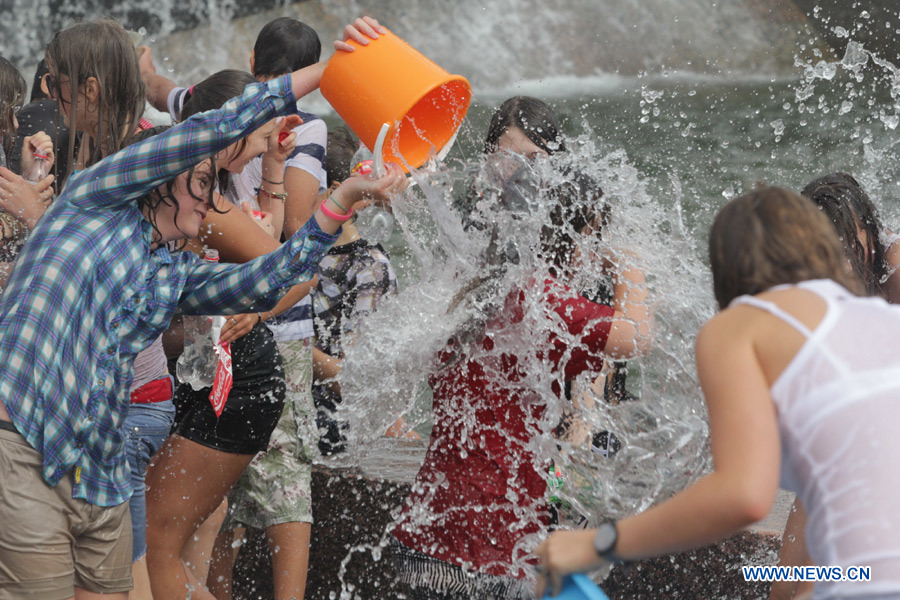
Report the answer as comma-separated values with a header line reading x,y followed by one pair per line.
x,y
390,84
578,587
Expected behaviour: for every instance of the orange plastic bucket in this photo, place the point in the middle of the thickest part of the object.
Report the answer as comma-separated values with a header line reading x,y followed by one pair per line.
x,y
390,82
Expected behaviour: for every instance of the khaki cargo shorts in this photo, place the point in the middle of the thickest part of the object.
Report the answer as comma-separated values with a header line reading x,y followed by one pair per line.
x,y
50,542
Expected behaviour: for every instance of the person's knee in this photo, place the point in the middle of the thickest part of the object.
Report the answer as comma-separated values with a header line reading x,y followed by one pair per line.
x,y
162,541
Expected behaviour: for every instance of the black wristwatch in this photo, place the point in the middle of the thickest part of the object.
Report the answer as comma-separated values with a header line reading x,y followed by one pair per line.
x,y
605,541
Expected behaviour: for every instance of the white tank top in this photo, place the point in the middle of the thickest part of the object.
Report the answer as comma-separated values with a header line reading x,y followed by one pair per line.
x,y
838,405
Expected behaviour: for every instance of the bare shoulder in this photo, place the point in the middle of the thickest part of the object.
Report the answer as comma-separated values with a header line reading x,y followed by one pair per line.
x,y
729,325
726,353
806,306
892,254
745,334
746,320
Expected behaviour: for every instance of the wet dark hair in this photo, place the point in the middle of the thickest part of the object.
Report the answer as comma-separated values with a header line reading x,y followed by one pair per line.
x,y
846,204
103,50
215,90
577,203
339,158
12,98
769,237
283,46
150,202
534,117
212,93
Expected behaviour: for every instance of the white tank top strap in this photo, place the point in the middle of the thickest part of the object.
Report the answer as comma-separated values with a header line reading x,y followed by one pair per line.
x,y
775,311
827,289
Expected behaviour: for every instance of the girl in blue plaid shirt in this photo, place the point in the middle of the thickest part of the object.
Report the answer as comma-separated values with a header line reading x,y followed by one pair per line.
x,y
92,287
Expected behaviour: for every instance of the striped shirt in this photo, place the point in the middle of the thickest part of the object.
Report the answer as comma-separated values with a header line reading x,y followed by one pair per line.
x,y
353,280
88,294
308,156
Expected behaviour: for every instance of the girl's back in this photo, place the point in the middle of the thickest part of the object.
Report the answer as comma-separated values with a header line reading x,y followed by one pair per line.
x,y
838,403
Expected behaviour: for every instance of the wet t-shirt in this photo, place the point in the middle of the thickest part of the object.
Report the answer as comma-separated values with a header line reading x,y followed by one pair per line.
x,y
481,489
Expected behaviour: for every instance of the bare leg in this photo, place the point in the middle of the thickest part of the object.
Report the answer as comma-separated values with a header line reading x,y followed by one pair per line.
x,y
223,558
185,484
198,552
141,578
399,428
289,545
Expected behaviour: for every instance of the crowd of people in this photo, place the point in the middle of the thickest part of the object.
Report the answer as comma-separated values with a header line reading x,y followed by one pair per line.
x,y
119,479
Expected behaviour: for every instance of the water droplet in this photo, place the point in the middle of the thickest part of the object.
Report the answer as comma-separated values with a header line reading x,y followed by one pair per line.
x,y
777,126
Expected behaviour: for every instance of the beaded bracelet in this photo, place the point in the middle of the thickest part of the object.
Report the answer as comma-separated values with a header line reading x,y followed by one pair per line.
x,y
279,195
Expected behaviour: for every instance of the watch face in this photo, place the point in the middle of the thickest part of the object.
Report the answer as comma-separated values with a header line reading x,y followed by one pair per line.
x,y
605,538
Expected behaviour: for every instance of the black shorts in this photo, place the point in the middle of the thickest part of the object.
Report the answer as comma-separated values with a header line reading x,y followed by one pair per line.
x,y
253,406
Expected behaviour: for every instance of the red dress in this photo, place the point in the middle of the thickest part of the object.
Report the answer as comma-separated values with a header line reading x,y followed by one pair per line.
x,y
481,489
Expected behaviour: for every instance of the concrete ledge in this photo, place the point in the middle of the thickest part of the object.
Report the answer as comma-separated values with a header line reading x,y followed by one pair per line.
x,y
353,506
711,572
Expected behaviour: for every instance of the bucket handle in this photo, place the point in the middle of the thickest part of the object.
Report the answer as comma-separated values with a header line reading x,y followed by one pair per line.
x,y
378,165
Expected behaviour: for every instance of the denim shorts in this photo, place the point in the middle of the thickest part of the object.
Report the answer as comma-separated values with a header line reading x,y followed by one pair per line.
x,y
147,426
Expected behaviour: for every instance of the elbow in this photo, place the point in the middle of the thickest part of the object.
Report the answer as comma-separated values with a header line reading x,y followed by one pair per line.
x,y
630,336
753,510
750,503
643,340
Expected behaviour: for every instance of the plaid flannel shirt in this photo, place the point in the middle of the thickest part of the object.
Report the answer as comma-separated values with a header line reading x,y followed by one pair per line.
x,y
88,293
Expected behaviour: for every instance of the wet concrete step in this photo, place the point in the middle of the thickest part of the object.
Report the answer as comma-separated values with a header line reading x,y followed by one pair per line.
x,y
352,506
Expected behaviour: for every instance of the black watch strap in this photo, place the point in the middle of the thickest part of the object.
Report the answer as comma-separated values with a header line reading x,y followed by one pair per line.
x,y
605,540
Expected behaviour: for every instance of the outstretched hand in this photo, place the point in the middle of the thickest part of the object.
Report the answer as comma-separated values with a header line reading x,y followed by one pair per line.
x,y
565,552
237,326
356,193
361,31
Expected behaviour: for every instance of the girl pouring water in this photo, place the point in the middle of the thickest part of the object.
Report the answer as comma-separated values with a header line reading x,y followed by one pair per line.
x,y
94,284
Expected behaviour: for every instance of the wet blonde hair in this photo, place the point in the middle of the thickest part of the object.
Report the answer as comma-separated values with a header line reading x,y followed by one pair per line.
x,y
772,236
103,50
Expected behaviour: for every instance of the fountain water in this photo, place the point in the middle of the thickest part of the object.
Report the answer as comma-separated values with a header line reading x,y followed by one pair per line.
x,y
493,43
673,106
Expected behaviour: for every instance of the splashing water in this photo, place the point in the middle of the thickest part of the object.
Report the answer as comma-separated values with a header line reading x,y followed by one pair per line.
x,y
866,95
525,38
456,295
663,216
690,142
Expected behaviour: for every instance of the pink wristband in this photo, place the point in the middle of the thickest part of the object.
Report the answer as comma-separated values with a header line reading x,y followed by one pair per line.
x,y
334,215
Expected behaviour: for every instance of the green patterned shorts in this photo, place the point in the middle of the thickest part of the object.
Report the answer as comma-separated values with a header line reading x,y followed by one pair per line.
x,y
275,487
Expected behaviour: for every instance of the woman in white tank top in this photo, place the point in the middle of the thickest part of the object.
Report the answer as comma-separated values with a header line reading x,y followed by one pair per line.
x,y
802,384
